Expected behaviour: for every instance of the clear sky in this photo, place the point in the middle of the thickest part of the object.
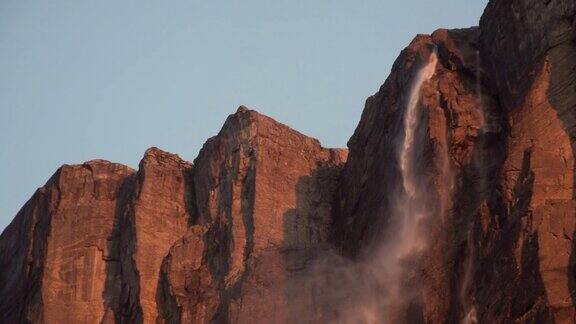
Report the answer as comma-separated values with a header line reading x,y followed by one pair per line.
x,y
90,79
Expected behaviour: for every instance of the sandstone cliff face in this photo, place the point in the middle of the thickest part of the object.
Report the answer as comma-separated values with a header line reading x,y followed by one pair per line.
x,y
505,249
269,226
58,247
263,196
91,235
529,52
156,215
455,118
220,241
75,268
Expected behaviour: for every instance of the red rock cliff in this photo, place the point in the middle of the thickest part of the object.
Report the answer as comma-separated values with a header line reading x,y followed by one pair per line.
x,y
55,255
268,226
220,241
505,247
263,196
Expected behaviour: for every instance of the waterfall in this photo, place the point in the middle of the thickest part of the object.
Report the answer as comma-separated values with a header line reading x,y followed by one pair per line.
x,y
410,123
411,209
407,240
390,275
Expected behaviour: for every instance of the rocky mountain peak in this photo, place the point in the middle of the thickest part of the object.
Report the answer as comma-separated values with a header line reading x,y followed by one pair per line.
x,y
454,204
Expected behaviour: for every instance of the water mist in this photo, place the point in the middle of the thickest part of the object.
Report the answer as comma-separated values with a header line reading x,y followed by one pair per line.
x,y
398,256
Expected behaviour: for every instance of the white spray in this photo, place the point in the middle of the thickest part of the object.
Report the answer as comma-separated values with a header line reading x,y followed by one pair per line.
x,y
410,210
410,123
406,239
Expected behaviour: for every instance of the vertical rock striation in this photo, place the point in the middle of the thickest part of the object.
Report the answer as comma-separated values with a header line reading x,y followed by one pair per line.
x,y
529,52
222,241
156,214
91,235
58,247
263,195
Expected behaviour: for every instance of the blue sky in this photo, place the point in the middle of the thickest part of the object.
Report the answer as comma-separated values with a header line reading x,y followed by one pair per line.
x,y
81,80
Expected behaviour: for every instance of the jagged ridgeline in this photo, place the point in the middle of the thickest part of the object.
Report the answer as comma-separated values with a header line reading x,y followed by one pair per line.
x,y
454,203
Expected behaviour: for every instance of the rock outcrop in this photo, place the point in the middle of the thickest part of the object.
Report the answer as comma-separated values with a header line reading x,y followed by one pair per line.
x,y
529,52
263,197
504,250
55,254
454,120
91,235
100,243
268,226
156,214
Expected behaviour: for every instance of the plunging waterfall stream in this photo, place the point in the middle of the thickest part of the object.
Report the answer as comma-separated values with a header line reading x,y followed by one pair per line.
x,y
406,239
410,210
394,292
409,181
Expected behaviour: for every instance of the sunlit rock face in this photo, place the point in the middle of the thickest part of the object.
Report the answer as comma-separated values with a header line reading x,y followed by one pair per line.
x,y
82,245
55,256
156,213
263,196
230,239
526,270
504,250
455,204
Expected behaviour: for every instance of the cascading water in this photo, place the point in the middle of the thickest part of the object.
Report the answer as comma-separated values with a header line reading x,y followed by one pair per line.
x,y
411,207
410,210
391,292
409,180
407,240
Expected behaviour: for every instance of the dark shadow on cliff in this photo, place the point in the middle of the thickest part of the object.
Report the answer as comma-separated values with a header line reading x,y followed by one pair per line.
x,y
299,252
321,285
219,237
122,286
168,309
112,285
477,183
217,254
23,249
190,197
318,281
507,289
